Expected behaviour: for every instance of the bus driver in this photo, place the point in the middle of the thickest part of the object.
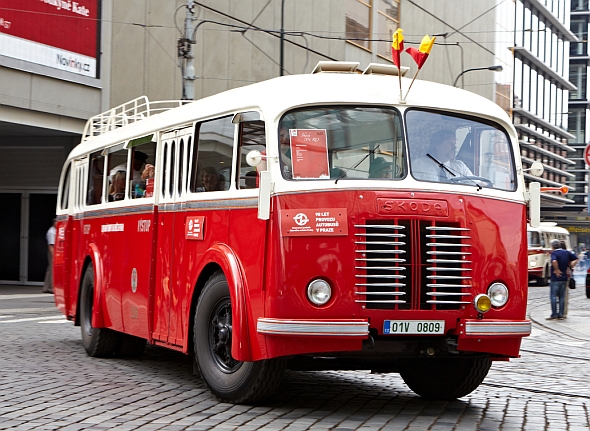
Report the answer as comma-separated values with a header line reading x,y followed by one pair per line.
x,y
442,149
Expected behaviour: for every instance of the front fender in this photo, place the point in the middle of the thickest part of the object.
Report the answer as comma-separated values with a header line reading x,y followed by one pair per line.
x,y
224,256
98,317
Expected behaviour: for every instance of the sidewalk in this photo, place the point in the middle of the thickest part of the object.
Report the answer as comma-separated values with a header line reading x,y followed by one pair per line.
x,y
577,322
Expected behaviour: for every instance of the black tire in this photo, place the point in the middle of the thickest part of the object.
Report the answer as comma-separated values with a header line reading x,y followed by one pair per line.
x,y
129,346
544,279
444,378
229,380
588,292
98,342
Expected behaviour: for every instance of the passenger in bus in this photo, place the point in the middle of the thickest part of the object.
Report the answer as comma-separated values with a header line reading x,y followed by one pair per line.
x,y
140,187
117,188
380,168
442,148
139,160
250,179
211,180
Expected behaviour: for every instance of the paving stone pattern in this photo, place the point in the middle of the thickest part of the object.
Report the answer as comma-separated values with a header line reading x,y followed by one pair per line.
x,y
47,382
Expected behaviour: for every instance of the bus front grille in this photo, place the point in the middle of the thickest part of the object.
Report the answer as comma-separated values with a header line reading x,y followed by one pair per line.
x,y
412,265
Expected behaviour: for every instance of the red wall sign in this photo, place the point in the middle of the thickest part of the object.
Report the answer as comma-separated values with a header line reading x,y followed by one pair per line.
x,y
62,34
195,228
314,222
309,153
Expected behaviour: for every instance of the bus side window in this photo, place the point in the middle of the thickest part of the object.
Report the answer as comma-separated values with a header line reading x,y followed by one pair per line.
x,y
117,168
143,164
213,157
95,179
65,189
252,137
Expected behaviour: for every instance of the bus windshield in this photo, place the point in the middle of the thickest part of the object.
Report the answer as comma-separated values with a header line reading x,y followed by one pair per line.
x,y
342,143
459,150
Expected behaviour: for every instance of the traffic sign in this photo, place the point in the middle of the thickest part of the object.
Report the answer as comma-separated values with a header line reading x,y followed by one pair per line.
x,y
587,154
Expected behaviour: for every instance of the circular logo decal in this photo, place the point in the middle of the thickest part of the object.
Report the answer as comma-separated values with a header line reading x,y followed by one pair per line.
x,y
301,219
134,280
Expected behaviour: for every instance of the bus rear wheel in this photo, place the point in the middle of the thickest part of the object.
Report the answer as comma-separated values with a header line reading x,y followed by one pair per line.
x,y
444,378
228,379
98,342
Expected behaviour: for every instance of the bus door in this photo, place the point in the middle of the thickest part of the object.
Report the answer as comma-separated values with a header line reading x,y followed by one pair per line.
x,y
169,295
63,243
139,234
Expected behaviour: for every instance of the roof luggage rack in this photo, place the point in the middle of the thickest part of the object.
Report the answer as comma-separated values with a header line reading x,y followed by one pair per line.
x,y
127,113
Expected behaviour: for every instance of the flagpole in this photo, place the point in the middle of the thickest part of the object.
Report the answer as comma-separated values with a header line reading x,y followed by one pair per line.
x,y
411,83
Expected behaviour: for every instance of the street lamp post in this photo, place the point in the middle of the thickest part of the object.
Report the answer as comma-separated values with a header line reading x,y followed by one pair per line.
x,y
282,50
496,68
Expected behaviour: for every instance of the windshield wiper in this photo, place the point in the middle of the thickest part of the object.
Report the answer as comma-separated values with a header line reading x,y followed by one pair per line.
x,y
442,166
343,174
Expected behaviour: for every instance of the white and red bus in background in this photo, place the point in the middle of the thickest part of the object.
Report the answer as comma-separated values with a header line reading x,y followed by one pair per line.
x,y
291,223
539,249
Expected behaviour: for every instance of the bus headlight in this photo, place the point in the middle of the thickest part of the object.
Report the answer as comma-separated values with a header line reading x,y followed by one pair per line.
x,y
319,292
532,263
482,303
498,294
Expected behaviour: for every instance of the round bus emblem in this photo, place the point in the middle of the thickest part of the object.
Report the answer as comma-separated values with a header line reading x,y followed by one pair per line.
x,y
301,219
134,280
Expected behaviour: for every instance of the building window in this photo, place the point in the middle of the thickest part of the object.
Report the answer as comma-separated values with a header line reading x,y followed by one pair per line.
x,y
358,22
387,24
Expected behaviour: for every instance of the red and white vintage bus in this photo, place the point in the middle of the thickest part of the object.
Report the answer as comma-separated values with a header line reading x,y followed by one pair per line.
x,y
308,222
539,249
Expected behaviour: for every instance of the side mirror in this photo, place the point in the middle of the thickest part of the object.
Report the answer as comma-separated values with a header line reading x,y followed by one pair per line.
x,y
253,158
537,169
264,195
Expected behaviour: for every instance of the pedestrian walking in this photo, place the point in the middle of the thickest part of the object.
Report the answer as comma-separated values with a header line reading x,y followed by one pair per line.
x,y
561,260
50,236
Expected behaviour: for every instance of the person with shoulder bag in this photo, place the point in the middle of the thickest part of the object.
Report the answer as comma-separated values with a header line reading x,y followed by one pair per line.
x,y
561,260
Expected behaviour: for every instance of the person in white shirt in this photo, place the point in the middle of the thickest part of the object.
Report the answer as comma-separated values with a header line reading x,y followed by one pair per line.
x,y
442,148
50,236
139,160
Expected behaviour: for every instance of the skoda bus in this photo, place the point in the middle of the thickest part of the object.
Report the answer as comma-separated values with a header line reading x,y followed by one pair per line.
x,y
539,249
308,222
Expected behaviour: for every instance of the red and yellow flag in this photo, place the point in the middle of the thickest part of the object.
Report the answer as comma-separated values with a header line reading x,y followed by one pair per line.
x,y
421,54
397,46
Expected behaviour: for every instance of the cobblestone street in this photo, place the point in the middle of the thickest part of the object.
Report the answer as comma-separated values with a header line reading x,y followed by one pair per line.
x,y
47,382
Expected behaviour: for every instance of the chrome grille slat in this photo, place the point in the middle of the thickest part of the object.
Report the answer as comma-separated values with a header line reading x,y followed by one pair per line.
x,y
368,259
449,294
441,253
381,293
381,284
447,277
447,302
391,301
388,235
380,243
447,261
381,251
448,236
448,285
385,268
395,276
379,226
443,244
462,229
440,268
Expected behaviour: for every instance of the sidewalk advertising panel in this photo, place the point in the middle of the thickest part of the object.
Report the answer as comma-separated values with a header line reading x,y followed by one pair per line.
x,y
61,34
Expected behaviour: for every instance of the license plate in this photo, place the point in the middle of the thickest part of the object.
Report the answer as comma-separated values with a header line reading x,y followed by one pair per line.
x,y
414,327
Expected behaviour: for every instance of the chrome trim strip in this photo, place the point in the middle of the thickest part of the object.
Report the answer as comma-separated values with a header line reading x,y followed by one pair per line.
x,y
351,328
498,328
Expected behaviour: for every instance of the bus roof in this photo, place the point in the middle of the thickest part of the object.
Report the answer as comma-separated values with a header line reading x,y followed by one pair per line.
x,y
277,95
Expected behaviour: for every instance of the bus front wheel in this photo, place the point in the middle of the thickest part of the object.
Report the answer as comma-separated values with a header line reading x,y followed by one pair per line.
x,y
98,342
228,379
444,378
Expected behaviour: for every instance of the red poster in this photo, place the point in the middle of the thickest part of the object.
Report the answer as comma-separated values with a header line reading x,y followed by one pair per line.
x,y
309,153
195,228
314,222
